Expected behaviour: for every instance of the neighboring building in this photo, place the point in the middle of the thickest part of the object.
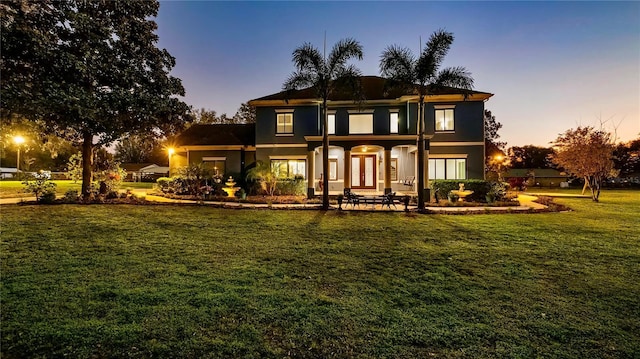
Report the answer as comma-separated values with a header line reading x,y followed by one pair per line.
x,y
8,172
372,145
537,177
144,172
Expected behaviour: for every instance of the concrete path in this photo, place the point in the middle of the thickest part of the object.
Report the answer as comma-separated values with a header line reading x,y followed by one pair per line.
x,y
526,205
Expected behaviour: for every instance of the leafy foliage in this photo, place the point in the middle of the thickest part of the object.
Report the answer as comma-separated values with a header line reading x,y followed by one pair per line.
x,y
626,157
423,74
492,147
41,186
74,167
326,75
89,70
141,149
587,153
527,157
266,175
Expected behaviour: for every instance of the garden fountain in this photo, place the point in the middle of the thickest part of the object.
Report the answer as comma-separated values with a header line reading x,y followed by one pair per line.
x,y
230,189
461,193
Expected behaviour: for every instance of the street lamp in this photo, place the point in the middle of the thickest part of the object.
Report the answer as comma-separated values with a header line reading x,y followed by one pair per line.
x,y
170,151
18,140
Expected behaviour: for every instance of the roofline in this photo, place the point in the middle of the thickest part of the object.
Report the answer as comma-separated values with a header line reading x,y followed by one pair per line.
x,y
483,96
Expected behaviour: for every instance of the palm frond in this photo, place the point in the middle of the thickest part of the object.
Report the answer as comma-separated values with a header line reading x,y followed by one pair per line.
x,y
299,80
398,63
348,80
457,77
341,52
308,58
433,54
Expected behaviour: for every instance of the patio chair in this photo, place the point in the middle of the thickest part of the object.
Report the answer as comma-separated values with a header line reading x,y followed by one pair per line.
x,y
351,198
388,199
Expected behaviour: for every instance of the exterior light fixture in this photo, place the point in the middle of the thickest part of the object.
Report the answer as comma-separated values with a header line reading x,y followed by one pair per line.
x,y
18,140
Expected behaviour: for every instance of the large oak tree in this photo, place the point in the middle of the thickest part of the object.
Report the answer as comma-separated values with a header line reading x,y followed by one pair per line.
x,y
90,70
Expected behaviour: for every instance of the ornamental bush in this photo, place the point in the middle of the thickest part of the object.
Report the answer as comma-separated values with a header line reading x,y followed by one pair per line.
x,y
41,186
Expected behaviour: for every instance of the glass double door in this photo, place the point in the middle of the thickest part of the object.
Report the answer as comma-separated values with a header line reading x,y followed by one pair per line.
x,y
363,171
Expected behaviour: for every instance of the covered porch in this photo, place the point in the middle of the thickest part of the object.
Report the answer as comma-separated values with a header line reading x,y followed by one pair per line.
x,y
367,165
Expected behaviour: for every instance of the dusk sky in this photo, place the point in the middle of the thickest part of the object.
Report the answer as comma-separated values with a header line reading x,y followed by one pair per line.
x,y
550,65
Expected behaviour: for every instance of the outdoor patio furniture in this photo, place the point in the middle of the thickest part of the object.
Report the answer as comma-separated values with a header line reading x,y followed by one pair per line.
x,y
351,198
409,181
388,199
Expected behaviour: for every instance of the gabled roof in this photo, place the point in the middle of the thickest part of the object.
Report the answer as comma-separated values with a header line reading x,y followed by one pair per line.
x,y
373,87
135,167
219,134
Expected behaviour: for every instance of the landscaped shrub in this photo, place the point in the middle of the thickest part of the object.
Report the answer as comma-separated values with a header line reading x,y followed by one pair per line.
x,y
497,192
41,186
71,196
110,178
291,186
164,184
266,175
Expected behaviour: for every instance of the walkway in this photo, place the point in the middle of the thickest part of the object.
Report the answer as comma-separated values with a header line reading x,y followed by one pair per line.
x,y
526,205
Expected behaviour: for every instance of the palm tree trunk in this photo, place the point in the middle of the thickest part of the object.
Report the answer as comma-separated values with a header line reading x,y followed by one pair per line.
x,y
325,156
421,151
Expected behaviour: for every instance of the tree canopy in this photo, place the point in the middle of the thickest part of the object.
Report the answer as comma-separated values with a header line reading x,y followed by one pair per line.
x,y
587,153
90,70
530,156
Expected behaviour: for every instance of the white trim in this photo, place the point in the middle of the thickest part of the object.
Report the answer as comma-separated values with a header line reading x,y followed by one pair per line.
x,y
213,148
214,158
288,157
443,107
283,145
455,155
441,144
283,110
364,112
284,134
394,110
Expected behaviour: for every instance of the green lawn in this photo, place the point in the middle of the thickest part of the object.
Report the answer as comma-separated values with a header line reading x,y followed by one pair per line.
x,y
196,282
14,189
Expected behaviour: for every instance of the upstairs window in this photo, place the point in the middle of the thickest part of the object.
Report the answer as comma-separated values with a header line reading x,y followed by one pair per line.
x,y
284,123
444,119
393,122
360,123
331,119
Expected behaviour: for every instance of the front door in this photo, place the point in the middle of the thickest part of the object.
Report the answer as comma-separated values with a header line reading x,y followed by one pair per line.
x,y
363,171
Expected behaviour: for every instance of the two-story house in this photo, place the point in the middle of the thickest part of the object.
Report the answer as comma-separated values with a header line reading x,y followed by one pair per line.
x,y
372,144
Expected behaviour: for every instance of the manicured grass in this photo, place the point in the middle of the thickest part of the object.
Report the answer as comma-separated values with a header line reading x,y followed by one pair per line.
x,y
198,282
14,189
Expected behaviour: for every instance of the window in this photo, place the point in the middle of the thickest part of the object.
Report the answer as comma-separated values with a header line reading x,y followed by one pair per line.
x,y
444,119
333,169
447,168
394,169
332,124
284,123
215,164
289,168
393,122
360,123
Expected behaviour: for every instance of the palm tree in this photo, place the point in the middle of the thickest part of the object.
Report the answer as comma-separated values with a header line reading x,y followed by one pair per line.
x,y
423,75
326,75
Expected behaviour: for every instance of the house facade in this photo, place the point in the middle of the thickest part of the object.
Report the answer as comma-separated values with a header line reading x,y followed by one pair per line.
x,y
372,144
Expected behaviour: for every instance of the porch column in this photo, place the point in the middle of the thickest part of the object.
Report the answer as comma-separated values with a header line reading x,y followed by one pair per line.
x,y
347,169
427,191
311,170
387,171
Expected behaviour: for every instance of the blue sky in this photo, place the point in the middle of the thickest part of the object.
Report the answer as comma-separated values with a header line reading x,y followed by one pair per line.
x,y
551,65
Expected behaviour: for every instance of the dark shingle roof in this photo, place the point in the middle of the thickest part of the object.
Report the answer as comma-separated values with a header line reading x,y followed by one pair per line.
x,y
218,134
373,89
